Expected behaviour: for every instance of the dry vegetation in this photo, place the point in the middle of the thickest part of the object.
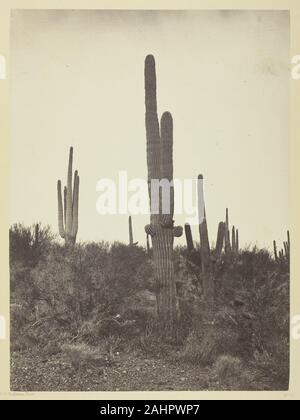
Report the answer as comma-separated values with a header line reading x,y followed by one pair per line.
x,y
84,318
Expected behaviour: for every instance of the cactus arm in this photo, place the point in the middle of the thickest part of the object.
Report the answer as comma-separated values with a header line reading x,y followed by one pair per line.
x,y
74,186
166,170
65,205
237,241
75,208
61,228
177,231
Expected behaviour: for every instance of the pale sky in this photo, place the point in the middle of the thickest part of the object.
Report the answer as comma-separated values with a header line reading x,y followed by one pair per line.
x,y
77,78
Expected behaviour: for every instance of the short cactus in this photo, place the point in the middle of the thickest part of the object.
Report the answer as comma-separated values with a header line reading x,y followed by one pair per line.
x,y
220,240
189,237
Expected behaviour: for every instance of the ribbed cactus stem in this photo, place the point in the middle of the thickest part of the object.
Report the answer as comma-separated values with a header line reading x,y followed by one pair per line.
x,y
161,229
130,231
220,239
189,237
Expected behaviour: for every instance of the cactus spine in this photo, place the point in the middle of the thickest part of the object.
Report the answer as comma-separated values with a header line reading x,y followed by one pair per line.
x,y
160,166
68,212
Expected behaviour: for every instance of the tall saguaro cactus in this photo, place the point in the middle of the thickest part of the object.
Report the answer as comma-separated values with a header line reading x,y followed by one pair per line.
x,y
68,211
161,228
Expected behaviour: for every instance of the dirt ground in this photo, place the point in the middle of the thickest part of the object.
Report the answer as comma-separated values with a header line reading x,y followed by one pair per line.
x,y
31,372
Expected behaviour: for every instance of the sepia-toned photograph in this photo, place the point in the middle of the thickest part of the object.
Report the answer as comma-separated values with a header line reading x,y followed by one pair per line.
x,y
149,237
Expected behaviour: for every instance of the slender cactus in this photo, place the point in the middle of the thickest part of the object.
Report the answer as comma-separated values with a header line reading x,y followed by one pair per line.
x,y
130,231
286,251
237,242
160,166
131,243
189,237
68,212
275,251
227,234
233,241
220,240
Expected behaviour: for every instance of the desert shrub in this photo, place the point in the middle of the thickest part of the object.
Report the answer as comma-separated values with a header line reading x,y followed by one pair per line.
x,y
28,245
80,290
230,373
80,354
227,367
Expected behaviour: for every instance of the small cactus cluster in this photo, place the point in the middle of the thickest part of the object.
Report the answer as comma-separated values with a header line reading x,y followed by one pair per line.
x,y
284,253
68,208
231,246
207,259
225,241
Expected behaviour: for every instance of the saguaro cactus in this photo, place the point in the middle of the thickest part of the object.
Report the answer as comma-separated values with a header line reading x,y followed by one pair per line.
x,y
131,243
130,231
161,229
68,213
208,280
220,240
233,240
189,237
